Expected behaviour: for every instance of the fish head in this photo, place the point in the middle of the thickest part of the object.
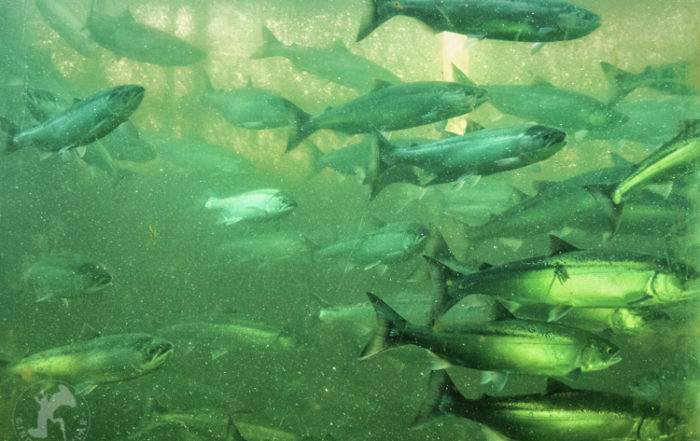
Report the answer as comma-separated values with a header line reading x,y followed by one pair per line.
x,y
664,426
153,352
283,202
598,355
417,234
577,22
94,277
677,285
540,143
125,99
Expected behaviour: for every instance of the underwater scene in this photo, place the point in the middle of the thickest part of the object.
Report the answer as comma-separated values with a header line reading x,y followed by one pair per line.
x,y
350,220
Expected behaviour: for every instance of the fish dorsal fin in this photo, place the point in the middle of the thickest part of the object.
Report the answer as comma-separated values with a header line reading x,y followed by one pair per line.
x,y
473,126
500,312
380,84
249,83
519,196
338,45
461,77
557,387
541,186
619,161
484,266
539,81
558,245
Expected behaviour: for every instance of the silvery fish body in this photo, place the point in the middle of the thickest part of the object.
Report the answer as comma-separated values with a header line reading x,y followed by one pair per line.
x,y
652,121
669,78
123,143
254,108
83,122
267,248
505,345
253,205
116,30
561,413
336,64
70,27
388,108
64,275
479,153
573,277
197,156
551,106
100,360
389,244
512,20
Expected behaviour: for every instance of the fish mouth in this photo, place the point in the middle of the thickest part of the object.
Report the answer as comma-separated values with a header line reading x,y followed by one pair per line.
x,y
615,359
160,352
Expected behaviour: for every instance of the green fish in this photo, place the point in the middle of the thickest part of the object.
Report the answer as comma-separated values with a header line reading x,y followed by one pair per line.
x,y
505,345
682,152
82,123
551,106
561,413
570,277
336,64
511,20
668,78
254,108
65,274
100,360
116,30
395,107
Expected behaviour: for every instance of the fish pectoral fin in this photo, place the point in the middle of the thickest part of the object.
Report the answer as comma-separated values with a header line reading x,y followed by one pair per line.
x,y
574,374
216,353
558,312
536,47
423,176
85,388
510,305
229,220
437,363
499,379
466,178
511,161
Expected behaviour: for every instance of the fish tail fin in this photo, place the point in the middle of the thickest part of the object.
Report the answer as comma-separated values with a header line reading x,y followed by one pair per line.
x,y
390,327
440,274
6,139
317,163
232,432
603,195
372,18
270,42
302,129
441,399
379,148
620,80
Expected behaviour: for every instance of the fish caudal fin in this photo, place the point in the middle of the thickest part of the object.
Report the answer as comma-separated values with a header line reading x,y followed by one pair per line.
x,y
317,155
441,276
441,398
390,327
270,42
605,196
302,129
371,19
